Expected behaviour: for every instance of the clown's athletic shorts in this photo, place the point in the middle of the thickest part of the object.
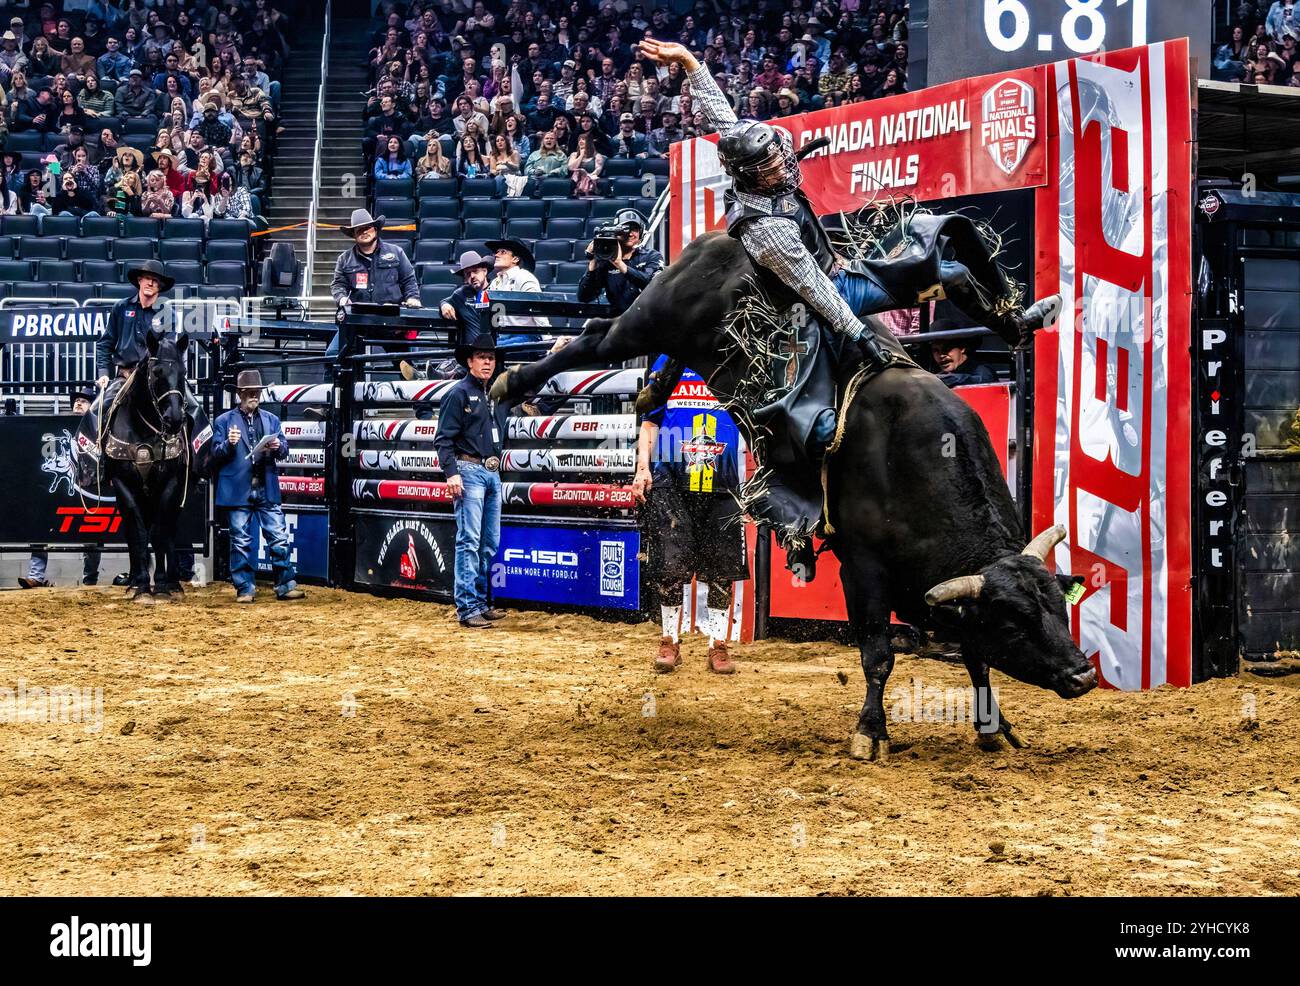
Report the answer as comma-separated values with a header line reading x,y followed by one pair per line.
x,y
694,534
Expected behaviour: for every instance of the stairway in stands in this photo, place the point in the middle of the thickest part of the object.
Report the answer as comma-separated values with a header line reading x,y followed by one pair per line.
x,y
293,189
343,179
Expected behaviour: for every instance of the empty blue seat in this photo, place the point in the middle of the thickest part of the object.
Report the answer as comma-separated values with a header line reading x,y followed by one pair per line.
x,y
569,274
184,229
481,209
56,270
525,209
64,225
37,248
141,227
131,248
185,271
560,251
33,289
226,250
472,188
86,248
482,229
117,291
227,272
432,252
230,229
569,209
439,229
179,250
15,270
564,229
438,208
75,291
524,229
555,188
395,208
621,167
439,274
20,225
108,226
100,270
443,188
394,188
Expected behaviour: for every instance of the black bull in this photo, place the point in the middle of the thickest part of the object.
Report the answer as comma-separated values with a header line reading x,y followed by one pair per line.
x,y
924,523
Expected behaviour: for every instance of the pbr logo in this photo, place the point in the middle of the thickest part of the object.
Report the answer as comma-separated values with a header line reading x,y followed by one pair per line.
x,y
1010,126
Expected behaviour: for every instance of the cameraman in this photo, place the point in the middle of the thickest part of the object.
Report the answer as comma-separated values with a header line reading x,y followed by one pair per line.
x,y
619,265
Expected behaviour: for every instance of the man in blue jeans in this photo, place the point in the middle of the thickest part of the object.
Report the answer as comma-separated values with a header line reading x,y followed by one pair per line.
x,y
471,427
247,442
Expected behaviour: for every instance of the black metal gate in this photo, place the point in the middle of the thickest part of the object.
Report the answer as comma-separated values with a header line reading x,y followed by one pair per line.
x,y
1248,430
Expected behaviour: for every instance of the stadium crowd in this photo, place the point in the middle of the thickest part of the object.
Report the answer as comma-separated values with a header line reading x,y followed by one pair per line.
x,y
521,92
153,108
1264,46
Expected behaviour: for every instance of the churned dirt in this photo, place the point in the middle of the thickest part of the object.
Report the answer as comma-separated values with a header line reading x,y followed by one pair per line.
x,y
354,745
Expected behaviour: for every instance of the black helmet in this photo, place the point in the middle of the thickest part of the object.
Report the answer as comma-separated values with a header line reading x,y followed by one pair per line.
x,y
631,217
760,160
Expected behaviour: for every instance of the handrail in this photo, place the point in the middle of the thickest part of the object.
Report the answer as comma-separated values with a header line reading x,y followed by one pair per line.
x,y
316,154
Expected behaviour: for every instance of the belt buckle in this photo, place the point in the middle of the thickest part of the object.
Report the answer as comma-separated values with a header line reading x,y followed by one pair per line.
x,y
492,463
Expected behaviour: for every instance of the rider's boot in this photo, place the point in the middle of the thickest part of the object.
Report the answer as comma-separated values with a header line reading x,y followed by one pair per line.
x,y
801,560
1041,314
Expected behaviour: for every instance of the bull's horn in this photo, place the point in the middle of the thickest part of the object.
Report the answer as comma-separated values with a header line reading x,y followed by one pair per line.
x,y
962,587
1041,546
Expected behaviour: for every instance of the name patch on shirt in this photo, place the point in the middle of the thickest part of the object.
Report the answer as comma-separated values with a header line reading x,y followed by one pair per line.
x,y
363,279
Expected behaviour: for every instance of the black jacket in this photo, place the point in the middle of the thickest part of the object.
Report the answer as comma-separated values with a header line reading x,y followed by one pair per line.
x,y
621,289
122,343
469,423
969,373
466,314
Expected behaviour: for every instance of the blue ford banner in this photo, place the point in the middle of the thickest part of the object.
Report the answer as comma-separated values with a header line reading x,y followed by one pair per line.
x,y
571,565
308,544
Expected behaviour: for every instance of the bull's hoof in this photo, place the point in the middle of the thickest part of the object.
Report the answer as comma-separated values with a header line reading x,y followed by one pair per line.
x,y
866,748
142,598
169,597
501,387
999,741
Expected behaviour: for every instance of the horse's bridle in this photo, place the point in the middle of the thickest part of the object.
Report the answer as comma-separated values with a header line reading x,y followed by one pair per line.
x,y
157,399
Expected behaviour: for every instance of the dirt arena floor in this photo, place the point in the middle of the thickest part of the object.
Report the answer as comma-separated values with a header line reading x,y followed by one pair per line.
x,y
352,745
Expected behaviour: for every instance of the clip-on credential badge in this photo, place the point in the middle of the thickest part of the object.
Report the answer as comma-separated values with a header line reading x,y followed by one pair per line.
x,y
1074,593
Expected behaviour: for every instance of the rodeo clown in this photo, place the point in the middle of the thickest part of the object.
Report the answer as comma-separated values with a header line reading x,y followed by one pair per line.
x,y
687,475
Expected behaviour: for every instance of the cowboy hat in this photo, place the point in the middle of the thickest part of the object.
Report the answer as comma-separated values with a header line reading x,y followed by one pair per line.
x,y
8,36
151,268
248,380
133,152
83,393
483,342
789,94
526,259
361,219
471,259
162,153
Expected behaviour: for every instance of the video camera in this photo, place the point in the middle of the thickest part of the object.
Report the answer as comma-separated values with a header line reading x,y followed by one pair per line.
x,y
605,245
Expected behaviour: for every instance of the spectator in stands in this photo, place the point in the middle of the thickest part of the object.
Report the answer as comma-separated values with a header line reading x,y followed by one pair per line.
x,y
470,163
627,142
32,195
393,163
95,100
13,174
513,128
211,129
666,135
73,199
42,62
624,275
135,99
10,205
504,164
466,114
70,113
433,161
124,195
113,65
12,58
158,201
169,168
514,272
586,166
77,62
371,270
248,487
469,443
547,161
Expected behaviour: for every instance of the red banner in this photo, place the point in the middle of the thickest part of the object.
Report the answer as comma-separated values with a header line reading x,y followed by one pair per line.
x,y
965,138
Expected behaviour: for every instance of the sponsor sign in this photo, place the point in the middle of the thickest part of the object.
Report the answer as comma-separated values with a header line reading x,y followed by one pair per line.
x,y
53,325
406,551
308,543
969,137
1112,387
44,503
587,566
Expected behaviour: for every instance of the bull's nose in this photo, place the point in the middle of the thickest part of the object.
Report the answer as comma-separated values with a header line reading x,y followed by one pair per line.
x,y
1085,682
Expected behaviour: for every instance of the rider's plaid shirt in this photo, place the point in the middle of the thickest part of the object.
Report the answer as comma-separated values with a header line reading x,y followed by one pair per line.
x,y
771,241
